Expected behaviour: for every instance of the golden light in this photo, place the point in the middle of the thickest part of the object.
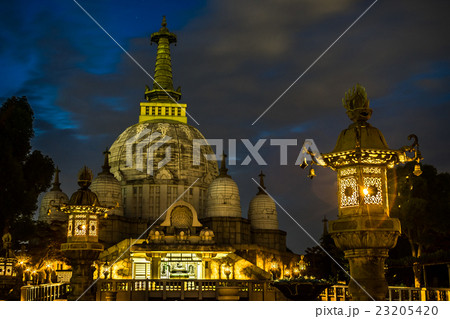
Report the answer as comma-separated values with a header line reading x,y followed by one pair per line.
x,y
227,271
28,269
417,170
273,265
365,191
312,173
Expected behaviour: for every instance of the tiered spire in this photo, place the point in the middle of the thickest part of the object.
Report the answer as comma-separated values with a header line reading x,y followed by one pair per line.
x,y
261,186
56,183
163,85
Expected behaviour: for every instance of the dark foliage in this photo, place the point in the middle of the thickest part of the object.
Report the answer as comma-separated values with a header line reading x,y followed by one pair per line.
x,y
24,173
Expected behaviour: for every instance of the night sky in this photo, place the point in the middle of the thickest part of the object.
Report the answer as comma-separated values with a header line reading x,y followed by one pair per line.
x,y
232,60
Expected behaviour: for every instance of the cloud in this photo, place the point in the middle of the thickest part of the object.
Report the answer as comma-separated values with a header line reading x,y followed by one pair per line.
x,y
232,60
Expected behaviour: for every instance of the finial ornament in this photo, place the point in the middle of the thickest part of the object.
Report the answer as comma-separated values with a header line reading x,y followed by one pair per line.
x,y
106,167
261,186
85,177
357,104
164,22
223,168
56,183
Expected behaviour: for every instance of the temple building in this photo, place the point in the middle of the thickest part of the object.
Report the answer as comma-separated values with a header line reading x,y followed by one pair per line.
x,y
181,215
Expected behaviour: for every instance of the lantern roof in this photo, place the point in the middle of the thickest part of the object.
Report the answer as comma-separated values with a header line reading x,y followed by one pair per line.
x,y
361,143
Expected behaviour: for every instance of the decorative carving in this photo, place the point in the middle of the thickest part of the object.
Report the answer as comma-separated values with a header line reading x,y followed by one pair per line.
x,y
349,192
357,104
181,217
186,131
162,128
375,196
345,225
371,170
348,171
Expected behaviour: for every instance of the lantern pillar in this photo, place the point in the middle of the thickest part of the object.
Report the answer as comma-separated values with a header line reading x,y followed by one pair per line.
x,y
364,230
82,247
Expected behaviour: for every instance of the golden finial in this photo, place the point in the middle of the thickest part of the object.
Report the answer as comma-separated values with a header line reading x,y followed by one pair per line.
x,y
357,104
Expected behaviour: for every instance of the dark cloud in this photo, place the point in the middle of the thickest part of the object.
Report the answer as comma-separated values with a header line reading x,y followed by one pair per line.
x,y
233,59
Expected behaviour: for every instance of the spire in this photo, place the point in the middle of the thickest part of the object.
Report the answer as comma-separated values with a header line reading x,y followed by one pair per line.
x,y
56,183
325,226
261,186
163,67
223,168
106,168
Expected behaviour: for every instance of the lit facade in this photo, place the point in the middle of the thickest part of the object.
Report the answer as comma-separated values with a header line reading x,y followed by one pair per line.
x,y
183,218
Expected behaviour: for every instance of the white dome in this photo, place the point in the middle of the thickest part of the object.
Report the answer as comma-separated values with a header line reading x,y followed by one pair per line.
x,y
129,153
108,189
48,211
262,211
223,198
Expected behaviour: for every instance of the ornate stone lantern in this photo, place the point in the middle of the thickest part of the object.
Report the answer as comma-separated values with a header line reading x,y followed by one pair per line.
x,y
364,230
82,247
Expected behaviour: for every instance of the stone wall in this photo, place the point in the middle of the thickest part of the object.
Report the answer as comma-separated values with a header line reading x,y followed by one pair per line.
x,y
229,230
270,238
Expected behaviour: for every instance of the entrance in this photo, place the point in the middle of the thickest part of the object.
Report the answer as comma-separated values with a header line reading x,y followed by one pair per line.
x,y
181,266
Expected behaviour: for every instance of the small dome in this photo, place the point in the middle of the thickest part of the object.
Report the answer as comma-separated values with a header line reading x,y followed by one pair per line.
x,y
50,202
223,198
262,211
107,188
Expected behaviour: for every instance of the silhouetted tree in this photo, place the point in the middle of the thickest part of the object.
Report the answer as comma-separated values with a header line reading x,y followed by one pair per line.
x,y
24,173
422,203
321,266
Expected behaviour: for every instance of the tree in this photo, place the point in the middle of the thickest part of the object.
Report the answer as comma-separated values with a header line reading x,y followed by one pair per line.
x,y
24,173
321,266
422,203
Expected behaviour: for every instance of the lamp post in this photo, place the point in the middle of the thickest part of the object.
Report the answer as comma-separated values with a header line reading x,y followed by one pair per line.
x,y
364,230
227,270
295,272
82,247
287,273
274,269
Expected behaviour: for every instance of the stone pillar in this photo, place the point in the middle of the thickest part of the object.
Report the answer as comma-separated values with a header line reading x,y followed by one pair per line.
x,y
367,267
82,271
366,248
156,266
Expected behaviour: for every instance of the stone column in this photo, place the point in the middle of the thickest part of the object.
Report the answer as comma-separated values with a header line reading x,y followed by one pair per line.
x,y
82,271
156,266
366,242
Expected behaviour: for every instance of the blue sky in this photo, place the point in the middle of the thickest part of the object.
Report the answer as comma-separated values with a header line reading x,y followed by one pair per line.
x,y
232,60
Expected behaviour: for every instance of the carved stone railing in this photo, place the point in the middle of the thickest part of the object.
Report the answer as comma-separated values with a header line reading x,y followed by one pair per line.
x,y
183,289
45,292
340,293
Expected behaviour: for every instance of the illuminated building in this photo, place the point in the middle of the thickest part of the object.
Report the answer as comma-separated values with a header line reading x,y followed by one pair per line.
x,y
197,229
